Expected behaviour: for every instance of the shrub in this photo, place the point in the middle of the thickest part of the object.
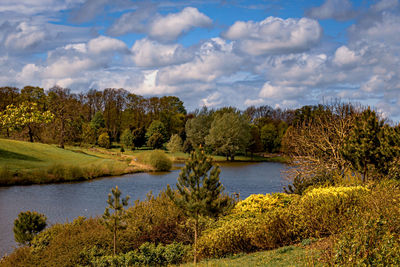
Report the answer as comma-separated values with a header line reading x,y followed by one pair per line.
x,y
373,236
156,159
259,203
147,255
104,140
155,220
324,211
27,225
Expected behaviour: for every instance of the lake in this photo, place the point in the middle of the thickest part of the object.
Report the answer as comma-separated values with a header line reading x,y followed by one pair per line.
x,y
64,202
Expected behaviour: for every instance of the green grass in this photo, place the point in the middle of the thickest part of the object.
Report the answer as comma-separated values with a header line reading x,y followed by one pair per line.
x,y
36,163
18,155
285,256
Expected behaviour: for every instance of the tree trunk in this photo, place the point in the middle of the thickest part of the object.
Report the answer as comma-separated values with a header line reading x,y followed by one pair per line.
x,y
196,222
115,239
30,134
62,133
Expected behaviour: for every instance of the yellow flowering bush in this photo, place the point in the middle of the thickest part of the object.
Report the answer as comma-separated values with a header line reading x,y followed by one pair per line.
x,y
259,203
324,211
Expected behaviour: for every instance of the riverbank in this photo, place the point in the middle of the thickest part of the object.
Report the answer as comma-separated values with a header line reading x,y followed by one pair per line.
x,y
24,163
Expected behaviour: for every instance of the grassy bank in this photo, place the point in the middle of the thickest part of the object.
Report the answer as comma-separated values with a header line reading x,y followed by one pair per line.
x,y
285,256
23,163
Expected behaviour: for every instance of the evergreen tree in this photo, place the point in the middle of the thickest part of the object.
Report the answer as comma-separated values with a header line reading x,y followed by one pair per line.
x,y
362,147
115,221
199,191
27,225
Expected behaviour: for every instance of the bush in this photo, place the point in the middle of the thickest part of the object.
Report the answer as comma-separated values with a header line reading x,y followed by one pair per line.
x,y
373,236
155,220
104,140
259,203
324,211
147,255
156,159
27,225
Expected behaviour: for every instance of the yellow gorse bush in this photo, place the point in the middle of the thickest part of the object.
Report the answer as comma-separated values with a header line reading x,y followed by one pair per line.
x,y
335,192
259,203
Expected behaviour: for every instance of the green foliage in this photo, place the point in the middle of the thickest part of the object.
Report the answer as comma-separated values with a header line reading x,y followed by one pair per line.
x,y
200,192
156,159
89,135
198,128
147,255
229,134
97,121
139,137
372,238
175,143
156,141
269,135
116,220
104,140
27,225
362,145
302,182
158,127
127,138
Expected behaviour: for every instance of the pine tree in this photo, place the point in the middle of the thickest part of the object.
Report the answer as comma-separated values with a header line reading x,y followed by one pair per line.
x,y
199,191
362,147
114,221
27,225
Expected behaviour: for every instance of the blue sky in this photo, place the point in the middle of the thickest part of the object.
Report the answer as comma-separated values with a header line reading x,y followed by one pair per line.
x,y
215,53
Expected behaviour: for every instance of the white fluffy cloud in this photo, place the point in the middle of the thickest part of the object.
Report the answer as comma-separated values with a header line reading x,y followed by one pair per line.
x,y
275,35
148,53
215,59
346,57
171,26
103,44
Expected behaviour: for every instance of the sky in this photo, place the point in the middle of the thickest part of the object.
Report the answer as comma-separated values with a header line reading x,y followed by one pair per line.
x,y
209,53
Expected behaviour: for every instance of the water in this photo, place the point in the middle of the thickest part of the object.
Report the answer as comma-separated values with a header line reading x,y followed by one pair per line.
x,y
64,202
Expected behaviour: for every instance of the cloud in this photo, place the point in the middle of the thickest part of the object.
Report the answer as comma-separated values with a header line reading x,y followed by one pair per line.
x,y
212,100
133,22
345,57
104,44
333,9
30,7
275,35
280,92
150,54
215,59
170,27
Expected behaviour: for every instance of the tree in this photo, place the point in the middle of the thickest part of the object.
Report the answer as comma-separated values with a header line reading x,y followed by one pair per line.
x,y
255,144
104,140
157,127
198,127
362,147
199,191
229,134
27,225
114,221
175,143
269,135
127,138
25,115
88,134
139,136
156,141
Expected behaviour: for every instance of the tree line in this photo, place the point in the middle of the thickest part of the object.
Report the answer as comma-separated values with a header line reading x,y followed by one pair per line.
x,y
100,118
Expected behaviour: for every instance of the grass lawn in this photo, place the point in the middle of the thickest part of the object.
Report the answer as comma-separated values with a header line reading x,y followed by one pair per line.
x,y
18,155
285,256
